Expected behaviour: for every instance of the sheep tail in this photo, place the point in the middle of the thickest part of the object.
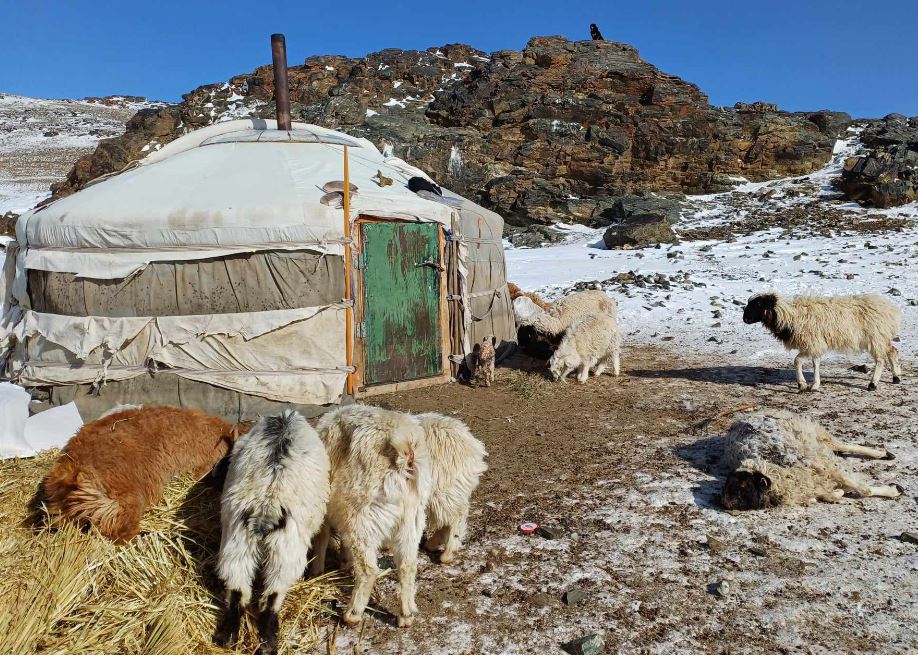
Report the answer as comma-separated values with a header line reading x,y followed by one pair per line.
x,y
75,496
264,520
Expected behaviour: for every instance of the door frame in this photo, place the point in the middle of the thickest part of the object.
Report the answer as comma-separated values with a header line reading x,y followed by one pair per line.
x,y
361,389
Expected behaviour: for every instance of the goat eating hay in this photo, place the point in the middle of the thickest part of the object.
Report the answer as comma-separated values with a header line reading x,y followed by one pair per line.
x,y
69,592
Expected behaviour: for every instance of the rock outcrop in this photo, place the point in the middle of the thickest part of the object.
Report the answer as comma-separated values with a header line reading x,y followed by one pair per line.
x,y
887,176
558,131
639,231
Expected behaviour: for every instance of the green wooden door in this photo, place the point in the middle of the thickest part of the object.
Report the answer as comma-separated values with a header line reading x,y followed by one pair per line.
x,y
402,302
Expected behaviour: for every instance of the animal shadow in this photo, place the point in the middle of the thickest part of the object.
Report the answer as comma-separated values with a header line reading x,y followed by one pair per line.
x,y
705,455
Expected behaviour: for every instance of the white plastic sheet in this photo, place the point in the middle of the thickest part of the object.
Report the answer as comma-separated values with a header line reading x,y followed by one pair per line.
x,y
24,436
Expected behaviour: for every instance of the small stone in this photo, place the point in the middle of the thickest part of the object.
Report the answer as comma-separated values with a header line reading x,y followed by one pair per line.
x,y
720,588
549,532
715,545
913,302
860,368
849,276
716,325
386,562
717,313
909,537
573,597
589,645
488,592
758,551
542,599
740,303
894,292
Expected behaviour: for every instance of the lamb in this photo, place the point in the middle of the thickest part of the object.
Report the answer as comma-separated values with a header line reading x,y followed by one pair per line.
x,y
457,461
484,356
516,292
115,467
778,458
816,325
590,345
564,312
380,487
273,503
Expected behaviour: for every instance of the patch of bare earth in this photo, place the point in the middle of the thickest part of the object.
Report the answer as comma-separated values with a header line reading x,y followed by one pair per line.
x,y
623,469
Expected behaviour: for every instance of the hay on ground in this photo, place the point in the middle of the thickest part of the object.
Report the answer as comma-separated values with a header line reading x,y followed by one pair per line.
x,y
66,592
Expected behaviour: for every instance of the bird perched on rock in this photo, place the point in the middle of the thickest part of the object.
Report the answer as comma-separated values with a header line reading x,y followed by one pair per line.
x,y
595,33
381,179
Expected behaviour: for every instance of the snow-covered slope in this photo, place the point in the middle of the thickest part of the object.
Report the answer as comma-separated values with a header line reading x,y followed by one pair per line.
x,y
41,139
793,236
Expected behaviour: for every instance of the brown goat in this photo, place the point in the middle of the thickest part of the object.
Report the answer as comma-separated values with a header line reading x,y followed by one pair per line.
x,y
117,466
516,292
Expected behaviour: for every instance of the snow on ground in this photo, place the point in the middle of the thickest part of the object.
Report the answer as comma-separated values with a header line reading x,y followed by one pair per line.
x,y
41,139
692,294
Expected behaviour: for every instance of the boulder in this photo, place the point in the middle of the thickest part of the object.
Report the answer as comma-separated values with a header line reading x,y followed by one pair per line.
x,y
639,231
887,176
614,209
8,224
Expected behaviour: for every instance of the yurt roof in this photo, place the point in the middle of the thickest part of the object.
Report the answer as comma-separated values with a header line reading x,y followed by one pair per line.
x,y
231,187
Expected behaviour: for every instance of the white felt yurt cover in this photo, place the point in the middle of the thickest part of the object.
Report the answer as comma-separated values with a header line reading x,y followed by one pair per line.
x,y
235,187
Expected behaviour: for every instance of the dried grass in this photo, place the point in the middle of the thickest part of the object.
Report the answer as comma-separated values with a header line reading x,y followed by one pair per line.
x,y
528,385
63,592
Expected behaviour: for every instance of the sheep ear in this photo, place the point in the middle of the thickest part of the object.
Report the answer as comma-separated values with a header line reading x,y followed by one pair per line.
x,y
761,480
494,341
476,348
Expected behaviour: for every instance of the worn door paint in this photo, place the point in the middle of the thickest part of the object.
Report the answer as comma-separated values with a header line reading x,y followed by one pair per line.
x,y
401,302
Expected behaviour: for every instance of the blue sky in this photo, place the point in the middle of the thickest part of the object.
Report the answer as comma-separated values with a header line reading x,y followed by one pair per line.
x,y
808,54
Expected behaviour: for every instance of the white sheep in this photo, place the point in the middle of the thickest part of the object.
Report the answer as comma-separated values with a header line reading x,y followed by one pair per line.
x,y
590,345
562,313
779,458
380,486
457,460
816,325
273,503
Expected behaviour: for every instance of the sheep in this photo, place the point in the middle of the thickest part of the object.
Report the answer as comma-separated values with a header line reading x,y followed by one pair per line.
x,y
115,467
273,503
484,356
816,325
590,345
457,461
562,313
778,458
380,486
516,292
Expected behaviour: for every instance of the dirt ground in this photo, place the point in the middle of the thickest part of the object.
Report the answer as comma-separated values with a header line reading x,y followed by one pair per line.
x,y
621,467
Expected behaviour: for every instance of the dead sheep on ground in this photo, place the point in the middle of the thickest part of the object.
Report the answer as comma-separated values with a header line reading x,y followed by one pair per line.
x,y
380,487
779,458
273,503
564,312
590,345
816,325
457,461
484,356
118,465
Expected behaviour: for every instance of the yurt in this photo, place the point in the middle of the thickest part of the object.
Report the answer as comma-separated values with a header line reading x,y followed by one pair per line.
x,y
234,269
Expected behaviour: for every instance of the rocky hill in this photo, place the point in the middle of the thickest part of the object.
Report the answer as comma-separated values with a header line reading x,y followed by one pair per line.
x,y
559,131
40,140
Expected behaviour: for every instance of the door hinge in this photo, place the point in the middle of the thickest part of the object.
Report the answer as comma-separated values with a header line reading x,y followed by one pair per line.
x,y
360,261
360,329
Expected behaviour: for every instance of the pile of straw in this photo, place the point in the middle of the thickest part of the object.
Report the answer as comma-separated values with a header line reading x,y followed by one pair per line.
x,y
64,592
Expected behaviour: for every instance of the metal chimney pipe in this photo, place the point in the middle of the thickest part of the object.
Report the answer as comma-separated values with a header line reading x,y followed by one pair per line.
x,y
281,89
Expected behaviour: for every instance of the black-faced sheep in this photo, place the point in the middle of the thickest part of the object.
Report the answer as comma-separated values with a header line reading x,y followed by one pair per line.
x,y
590,345
779,458
457,460
273,503
815,326
118,465
380,486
